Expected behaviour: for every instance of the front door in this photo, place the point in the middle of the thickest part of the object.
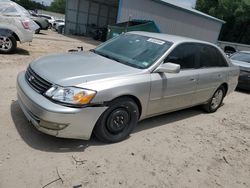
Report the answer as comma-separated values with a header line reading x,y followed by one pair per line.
x,y
213,70
173,91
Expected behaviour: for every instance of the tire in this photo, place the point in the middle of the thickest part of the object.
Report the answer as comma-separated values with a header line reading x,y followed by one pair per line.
x,y
118,121
7,44
215,102
37,31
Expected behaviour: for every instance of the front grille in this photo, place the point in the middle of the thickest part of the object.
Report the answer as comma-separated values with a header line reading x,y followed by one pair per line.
x,y
36,82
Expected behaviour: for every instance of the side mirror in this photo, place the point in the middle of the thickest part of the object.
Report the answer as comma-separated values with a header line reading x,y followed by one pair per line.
x,y
168,68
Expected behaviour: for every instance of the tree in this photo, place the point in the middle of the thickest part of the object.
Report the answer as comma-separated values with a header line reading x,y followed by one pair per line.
x,y
30,5
58,6
235,13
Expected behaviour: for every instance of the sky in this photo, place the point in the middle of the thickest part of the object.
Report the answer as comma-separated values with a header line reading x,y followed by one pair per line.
x,y
188,3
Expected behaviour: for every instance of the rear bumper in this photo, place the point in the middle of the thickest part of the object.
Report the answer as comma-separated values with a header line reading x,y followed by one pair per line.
x,y
80,121
26,36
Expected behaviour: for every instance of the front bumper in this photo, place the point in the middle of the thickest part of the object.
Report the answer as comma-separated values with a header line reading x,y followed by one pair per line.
x,y
37,108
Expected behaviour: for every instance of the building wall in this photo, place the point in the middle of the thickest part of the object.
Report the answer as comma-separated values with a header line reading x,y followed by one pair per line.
x,y
170,20
81,14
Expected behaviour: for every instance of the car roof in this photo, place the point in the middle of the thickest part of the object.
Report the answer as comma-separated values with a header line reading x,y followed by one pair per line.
x,y
170,38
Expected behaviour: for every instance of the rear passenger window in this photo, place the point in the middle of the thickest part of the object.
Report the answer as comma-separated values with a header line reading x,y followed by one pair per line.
x,y
211,57
184,55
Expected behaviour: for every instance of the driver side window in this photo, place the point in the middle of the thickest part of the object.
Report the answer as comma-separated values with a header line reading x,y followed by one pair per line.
x,y
184,55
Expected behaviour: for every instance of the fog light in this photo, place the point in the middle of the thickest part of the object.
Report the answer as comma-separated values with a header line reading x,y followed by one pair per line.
x,y
52,125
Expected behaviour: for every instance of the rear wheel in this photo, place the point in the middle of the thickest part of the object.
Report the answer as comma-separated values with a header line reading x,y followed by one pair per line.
x,y
37,31
7,44
215,102
118,121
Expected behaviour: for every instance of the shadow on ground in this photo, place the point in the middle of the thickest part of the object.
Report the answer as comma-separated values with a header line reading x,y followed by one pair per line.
x,y
21,51
85,39
41,33
167,119
242,91
43,142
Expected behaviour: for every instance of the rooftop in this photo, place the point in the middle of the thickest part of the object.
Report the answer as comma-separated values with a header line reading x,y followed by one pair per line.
x,y
189,10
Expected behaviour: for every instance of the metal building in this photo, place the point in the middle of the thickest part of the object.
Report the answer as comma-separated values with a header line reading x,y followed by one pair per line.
x,y
82,15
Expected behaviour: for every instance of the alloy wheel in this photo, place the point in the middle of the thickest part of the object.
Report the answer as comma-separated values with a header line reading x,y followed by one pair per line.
x,y
217,99
5,43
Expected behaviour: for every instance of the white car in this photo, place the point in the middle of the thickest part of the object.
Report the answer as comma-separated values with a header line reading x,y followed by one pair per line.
x,y
57,23
15,26
50,19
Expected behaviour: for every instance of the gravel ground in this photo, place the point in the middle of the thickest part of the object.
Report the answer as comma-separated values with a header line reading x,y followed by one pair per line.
x,y
183,149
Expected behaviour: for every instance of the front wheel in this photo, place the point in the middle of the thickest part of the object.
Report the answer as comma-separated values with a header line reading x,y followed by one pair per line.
x,y
215,102
118,121
7,44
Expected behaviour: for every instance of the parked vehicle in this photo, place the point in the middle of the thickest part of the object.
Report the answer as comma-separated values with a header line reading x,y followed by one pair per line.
x,y
128,78
42,22
242,59
229,50
100,34
15,26
60,29
57,23
50,19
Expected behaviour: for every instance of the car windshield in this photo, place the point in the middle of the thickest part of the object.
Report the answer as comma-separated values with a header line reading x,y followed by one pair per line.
x,y
134,50
241,56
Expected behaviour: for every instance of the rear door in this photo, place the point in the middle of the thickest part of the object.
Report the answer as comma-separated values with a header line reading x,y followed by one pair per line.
x,y
213,71
170,91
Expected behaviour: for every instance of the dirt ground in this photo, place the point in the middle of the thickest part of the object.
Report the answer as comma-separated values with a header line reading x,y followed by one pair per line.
x,y
183,149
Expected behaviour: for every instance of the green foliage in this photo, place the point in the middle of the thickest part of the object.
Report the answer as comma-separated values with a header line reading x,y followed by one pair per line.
x,y
30,5
236,14
57,6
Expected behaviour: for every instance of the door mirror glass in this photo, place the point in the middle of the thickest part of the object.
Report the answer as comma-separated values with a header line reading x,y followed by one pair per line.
x,y
168,68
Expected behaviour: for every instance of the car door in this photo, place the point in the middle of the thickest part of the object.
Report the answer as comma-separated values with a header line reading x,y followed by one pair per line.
x,y
173,91
213,71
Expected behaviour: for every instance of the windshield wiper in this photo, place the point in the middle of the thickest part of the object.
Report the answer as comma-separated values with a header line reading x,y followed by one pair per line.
x,y
99,53
105,55
115,59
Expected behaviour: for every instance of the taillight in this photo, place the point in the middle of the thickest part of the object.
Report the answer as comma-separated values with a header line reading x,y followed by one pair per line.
x,y
25,24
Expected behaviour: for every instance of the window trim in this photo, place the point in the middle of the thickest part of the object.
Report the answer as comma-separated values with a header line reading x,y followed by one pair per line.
x,y
218,51
196,56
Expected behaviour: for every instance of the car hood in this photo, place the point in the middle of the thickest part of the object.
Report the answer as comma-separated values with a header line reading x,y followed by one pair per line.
x,y
72,69
243,65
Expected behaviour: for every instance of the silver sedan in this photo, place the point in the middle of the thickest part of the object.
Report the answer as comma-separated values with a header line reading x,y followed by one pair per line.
x,y
242,59
129,78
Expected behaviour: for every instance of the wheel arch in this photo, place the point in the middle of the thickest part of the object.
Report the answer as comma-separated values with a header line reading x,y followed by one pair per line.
x,y
134,98
9,32
225,85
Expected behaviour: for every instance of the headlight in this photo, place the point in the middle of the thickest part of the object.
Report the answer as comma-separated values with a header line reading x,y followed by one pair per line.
x,y
70,95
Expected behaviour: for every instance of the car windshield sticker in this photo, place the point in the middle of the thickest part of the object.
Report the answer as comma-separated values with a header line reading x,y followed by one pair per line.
x,y
145,63
156,41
